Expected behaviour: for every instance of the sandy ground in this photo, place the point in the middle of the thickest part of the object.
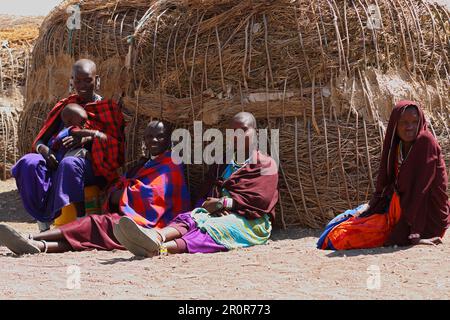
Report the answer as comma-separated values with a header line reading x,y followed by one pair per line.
x,y
288,267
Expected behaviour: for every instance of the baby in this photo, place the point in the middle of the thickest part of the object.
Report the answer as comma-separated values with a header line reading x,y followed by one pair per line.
x,y
74,118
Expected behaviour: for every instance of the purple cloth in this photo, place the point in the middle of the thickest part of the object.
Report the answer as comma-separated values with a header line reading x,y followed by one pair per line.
x,y
195,240
45,192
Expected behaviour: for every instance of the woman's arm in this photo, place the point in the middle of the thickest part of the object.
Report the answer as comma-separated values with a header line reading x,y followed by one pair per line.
x,y
81,137
44,150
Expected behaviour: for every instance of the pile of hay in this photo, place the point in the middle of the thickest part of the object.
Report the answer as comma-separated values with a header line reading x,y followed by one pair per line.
x,y
16,38
326,73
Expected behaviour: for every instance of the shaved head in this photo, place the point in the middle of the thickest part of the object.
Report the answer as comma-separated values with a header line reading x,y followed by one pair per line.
x,y
245,118
85,79
85,66
74,115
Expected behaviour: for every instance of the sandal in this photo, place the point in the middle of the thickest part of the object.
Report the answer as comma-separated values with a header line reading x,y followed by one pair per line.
x,y
130,246
17,243
143,237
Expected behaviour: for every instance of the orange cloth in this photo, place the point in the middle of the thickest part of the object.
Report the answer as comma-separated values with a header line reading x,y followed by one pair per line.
x,y
366,232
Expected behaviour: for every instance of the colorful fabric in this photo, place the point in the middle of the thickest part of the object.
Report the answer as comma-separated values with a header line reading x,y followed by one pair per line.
x,y
193,240
45,192
233,231
253,188
422,182
55,143
335,222
155,195
362,232
105,116
229,170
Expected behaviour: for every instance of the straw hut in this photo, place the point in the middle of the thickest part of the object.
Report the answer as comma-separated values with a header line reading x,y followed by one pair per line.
x,y
16,38
325,73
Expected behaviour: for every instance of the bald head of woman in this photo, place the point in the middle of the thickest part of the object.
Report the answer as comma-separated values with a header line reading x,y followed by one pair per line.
x,y
84,78
84,66
245,119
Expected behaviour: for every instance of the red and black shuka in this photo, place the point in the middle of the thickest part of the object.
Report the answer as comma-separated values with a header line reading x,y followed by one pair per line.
x,y
44,191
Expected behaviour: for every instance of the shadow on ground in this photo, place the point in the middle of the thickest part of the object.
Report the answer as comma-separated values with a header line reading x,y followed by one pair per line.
x,y
294,234
11,208
366,252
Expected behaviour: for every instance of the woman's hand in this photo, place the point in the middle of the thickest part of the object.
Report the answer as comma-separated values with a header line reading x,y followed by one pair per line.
x,y
430,242
72,142
211,205
49,157
363,211
101,136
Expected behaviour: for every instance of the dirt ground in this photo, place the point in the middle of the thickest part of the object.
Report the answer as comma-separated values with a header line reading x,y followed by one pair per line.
x,y
288,267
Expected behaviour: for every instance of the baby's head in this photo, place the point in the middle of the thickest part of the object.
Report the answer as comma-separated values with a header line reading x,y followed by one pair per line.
x,y
74,115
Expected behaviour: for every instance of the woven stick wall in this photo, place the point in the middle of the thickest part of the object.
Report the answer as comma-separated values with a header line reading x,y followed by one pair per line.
x,y
14,61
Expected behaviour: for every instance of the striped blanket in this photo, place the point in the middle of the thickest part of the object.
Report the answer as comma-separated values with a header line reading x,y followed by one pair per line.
x,y
156,194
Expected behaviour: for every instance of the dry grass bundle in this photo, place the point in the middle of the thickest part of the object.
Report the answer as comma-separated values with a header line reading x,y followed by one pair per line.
x,y
230,49
16,36
18,30
9,116
13,69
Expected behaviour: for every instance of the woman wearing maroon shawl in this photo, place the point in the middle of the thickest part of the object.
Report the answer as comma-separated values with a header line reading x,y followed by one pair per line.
x,y
238,211
410,205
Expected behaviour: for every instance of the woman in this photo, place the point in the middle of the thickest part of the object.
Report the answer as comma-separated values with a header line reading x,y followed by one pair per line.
x,y
46,185
151,194
410,205
238,213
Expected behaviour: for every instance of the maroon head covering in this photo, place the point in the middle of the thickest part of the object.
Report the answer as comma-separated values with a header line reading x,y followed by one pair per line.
x,y
421,182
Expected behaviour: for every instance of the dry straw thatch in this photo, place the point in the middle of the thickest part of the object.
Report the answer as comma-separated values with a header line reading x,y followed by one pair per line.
x,y
15,44
316,70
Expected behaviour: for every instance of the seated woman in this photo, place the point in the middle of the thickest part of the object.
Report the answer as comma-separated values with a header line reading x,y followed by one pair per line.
x,y
410,205
151,194
238,213
47,185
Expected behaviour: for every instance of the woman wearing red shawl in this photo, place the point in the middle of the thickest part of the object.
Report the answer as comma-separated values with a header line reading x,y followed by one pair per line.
x,y
410,205
238,212
46,185
151,194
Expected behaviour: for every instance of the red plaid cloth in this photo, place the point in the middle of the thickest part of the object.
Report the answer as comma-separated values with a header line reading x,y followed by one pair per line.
x,y
105,116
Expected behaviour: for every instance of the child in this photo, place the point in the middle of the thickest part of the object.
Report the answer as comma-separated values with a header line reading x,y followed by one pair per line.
x,y
74,118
